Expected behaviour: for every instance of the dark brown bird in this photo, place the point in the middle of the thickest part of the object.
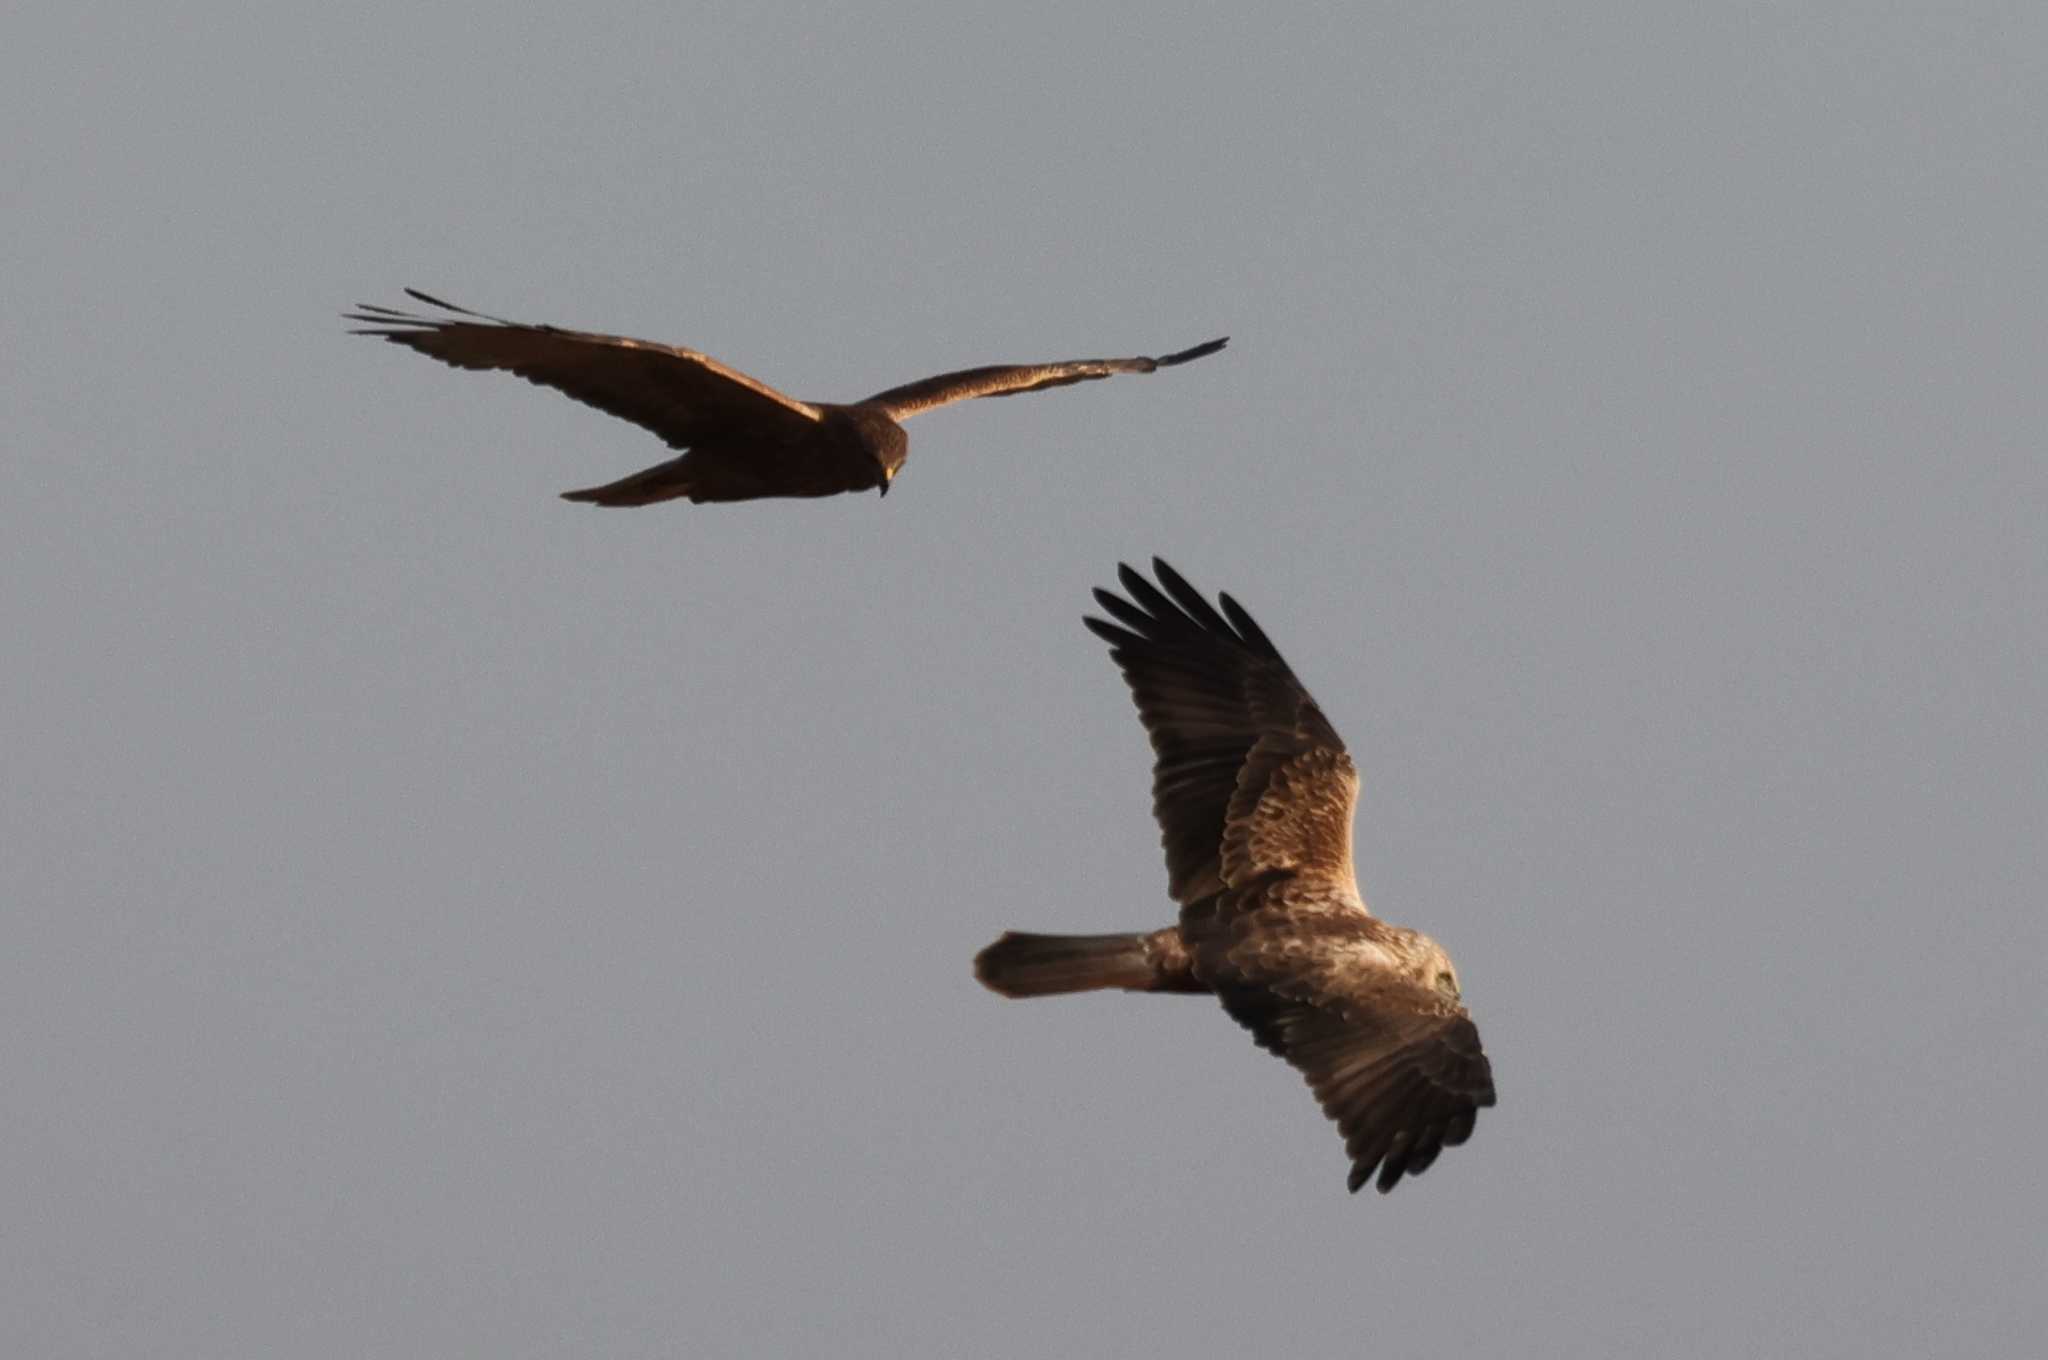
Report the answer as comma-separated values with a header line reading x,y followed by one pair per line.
x,y
1254,794
744,439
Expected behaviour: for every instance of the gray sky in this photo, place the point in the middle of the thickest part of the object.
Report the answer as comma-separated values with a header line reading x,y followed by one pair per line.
x,y
443,920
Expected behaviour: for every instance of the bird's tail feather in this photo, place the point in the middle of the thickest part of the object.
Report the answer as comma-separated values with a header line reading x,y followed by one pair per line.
x,y
1021,964
662,482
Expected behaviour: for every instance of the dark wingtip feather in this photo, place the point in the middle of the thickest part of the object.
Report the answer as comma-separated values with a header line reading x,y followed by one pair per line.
x,y
1151,599
1246,627
1205,348
1188,598
1179,607
447,306
392,324
433,301
1116,637
386,320
1425,1155
1128,577
1141,624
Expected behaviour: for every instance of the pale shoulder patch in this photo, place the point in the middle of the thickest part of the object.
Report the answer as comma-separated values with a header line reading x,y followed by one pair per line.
x,y
1300,822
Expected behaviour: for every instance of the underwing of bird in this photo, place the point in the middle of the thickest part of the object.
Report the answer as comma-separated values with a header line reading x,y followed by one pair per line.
x,y
1254,793
741,439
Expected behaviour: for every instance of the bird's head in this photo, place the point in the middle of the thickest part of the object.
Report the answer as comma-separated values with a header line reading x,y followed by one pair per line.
x,y
889,459
881,438
1431,967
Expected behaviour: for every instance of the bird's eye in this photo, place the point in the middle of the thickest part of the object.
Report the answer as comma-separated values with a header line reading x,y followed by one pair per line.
x,y
1447,984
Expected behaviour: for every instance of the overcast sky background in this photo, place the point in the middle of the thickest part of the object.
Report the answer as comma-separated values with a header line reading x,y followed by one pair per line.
x,y
443,920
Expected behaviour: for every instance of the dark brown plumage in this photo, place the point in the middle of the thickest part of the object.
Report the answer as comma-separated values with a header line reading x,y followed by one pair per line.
x,y
1254,793
744,440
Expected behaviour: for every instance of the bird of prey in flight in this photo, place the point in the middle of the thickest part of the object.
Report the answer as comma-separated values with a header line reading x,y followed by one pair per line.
x,y
1254,793
742,439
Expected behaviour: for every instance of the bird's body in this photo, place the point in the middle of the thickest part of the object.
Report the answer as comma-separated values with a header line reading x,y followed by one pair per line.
x,y
1254,793
743,440
851,448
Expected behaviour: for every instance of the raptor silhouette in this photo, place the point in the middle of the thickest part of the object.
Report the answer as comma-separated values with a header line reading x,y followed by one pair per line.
x,y
1254,792
743,439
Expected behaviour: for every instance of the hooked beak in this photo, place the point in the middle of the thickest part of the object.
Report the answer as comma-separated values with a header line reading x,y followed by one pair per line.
x,y
885,486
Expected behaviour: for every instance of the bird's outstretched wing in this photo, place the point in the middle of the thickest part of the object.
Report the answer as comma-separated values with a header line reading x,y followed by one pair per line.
x,y
1396,1064
1250,777
1002,380
679,394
